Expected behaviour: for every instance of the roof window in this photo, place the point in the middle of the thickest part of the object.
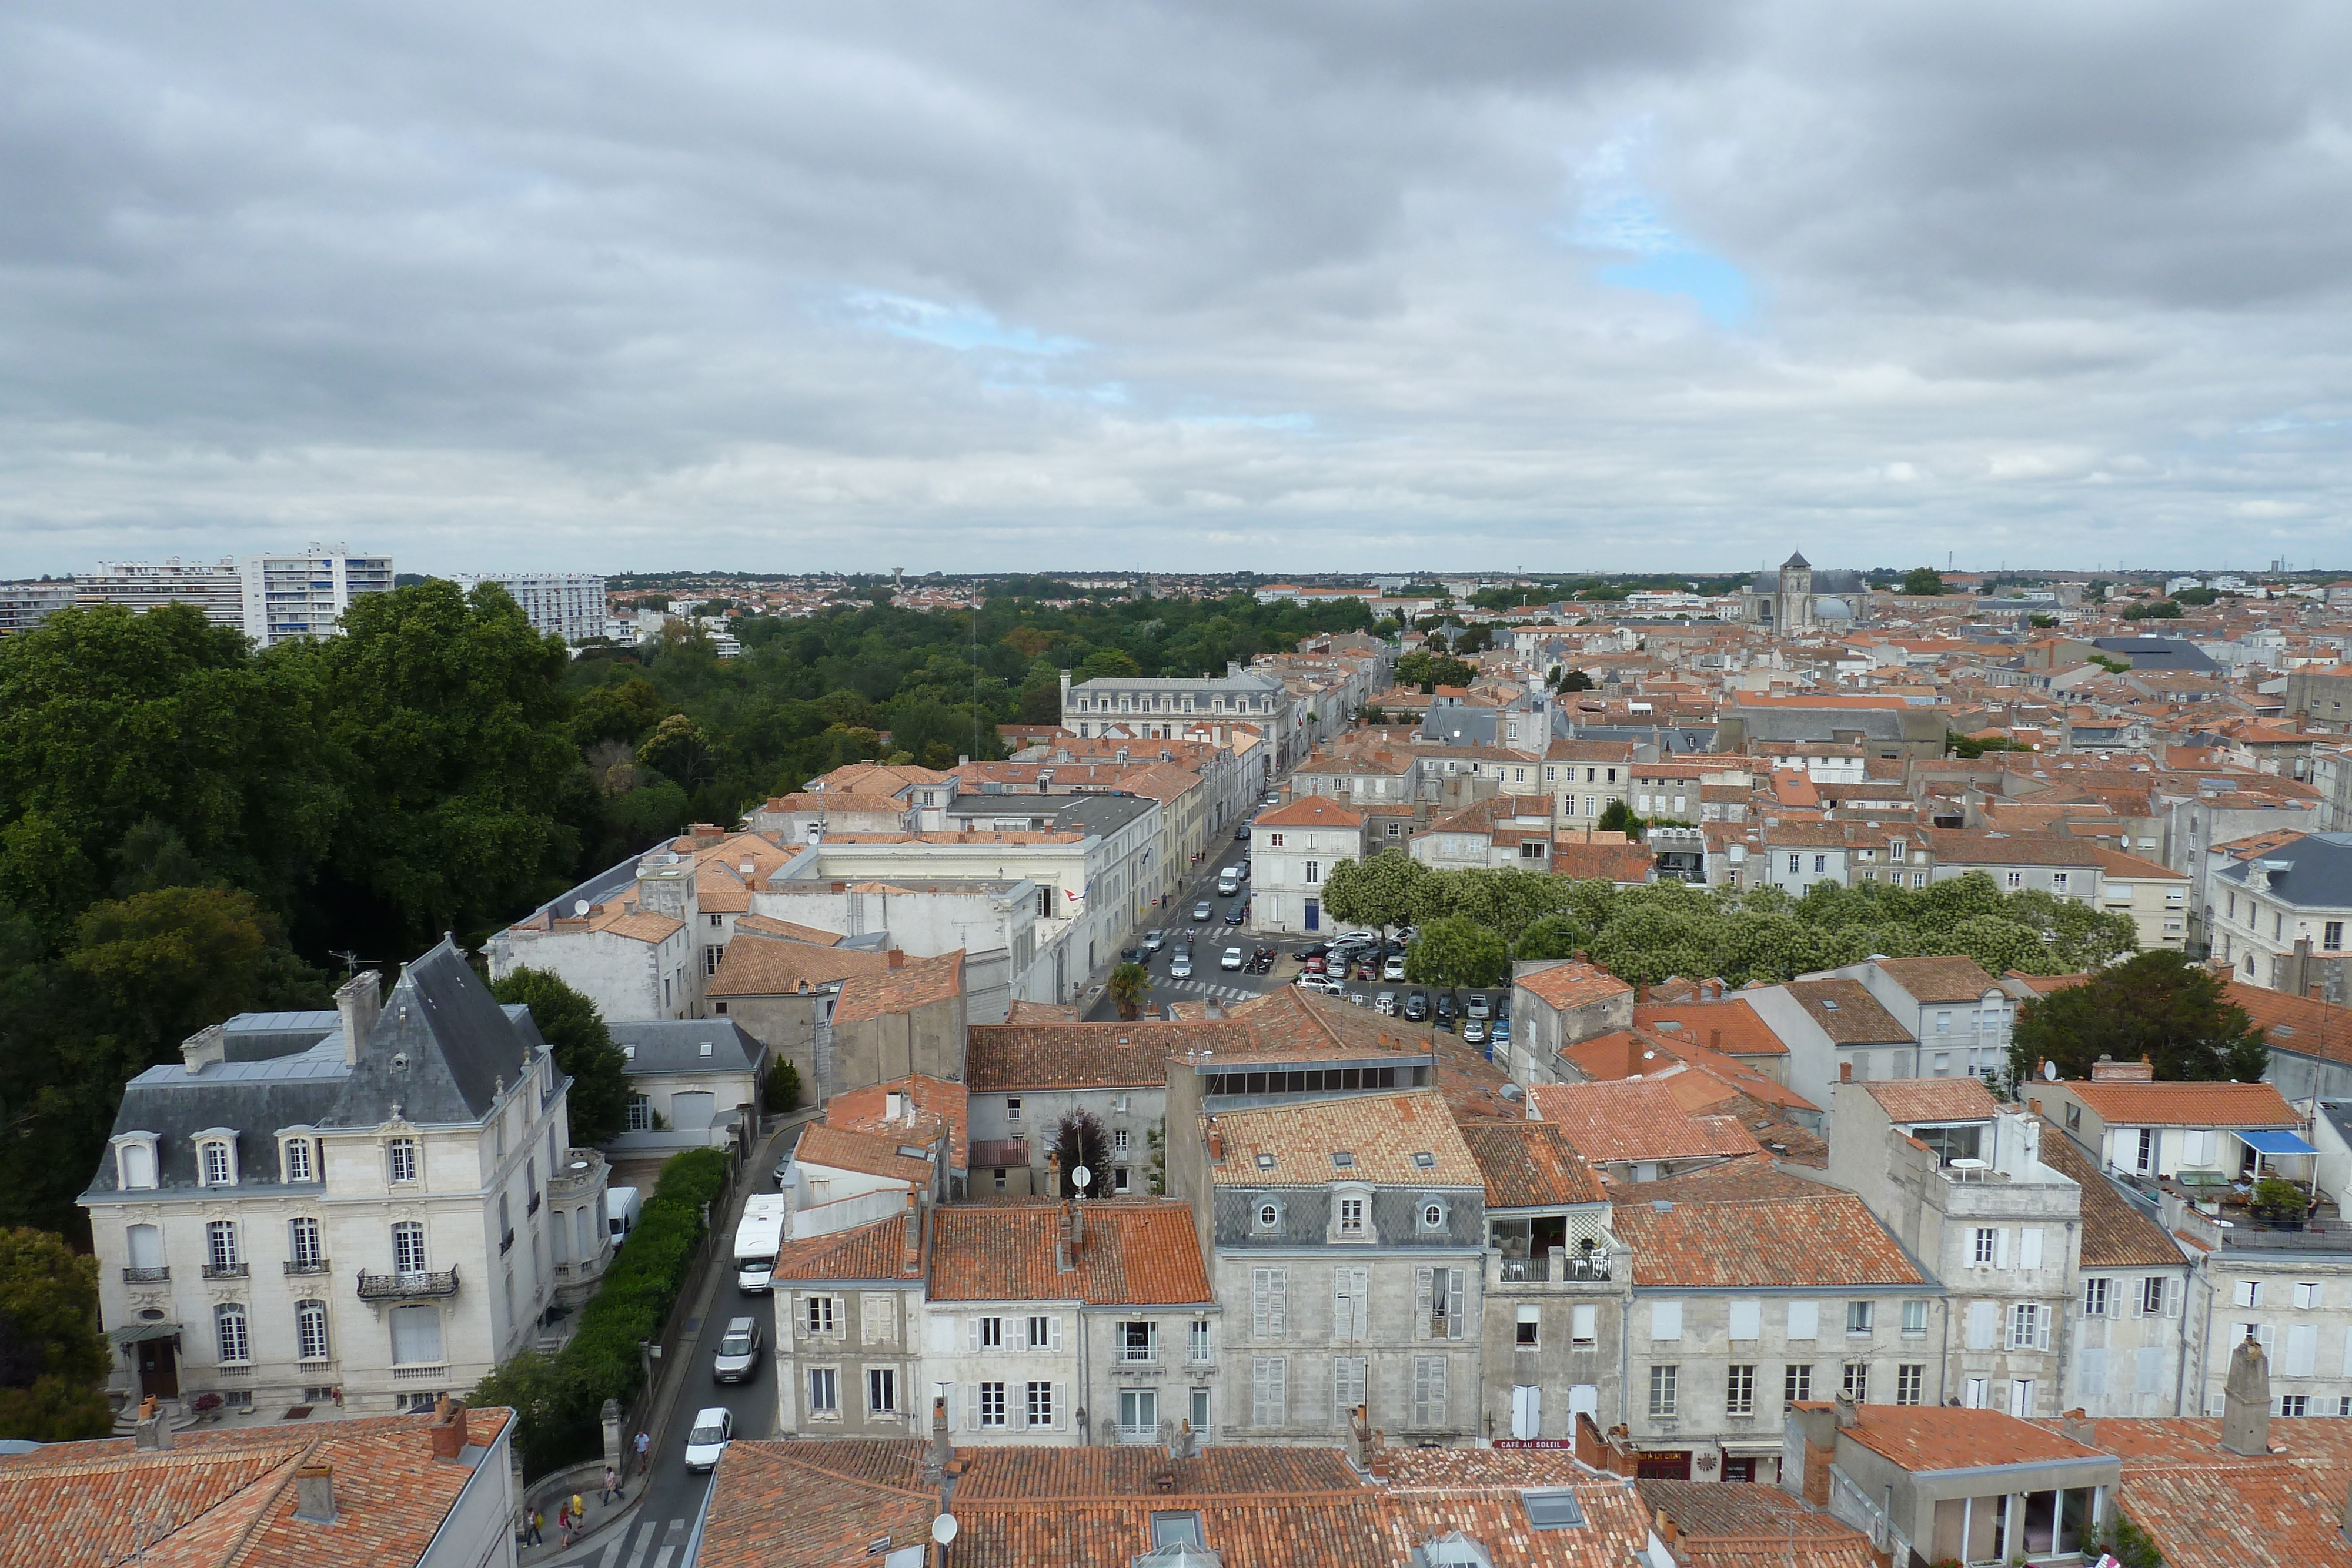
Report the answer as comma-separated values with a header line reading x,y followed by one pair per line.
x,y
1424,1160
1343,1159
1555,1509
1266,1161
1827,1006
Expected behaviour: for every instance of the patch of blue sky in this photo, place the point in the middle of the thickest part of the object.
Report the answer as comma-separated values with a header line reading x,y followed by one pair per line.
x,y
963,328
1615,214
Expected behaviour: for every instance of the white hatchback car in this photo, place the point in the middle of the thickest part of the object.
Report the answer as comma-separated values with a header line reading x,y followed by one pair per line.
x,y
712,1431
1232,960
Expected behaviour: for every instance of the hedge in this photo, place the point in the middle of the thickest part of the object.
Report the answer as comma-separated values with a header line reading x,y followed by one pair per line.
x,y
561,1399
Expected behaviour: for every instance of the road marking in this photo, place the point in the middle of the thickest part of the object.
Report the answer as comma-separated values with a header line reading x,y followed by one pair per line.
x,y
612,1550
666,1553
644,1536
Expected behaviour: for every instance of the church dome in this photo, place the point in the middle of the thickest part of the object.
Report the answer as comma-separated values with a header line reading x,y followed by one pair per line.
x,y
1832,610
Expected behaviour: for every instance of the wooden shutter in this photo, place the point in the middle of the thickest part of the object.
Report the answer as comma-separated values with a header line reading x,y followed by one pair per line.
x,y
1061,1395
2041,1327
971,1406
1437,1401
1361,1293
1278,1302
1278,1389
1054,1333
1747,1320
1261,1290
2302,1351
1343,1311
1422,1293
972,1335
2172,1296
1458,1302
2029,1247
2001,1248
1257,1392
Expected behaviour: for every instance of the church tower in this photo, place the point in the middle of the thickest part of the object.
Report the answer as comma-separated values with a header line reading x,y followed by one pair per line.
x,y
1794,612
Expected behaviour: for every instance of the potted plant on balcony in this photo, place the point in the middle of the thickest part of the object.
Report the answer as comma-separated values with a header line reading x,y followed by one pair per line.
x,y
2280,1204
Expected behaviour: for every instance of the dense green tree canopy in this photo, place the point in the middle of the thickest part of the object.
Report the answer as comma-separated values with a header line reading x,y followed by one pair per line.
x,y
1429,671
2158,1005
53,1361
583,1049
1924,582
1453,951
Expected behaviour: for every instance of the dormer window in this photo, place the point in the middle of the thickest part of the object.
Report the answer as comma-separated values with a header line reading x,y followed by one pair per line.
x,y
1433,1214
1352,1218
298,1157
135,1162
216,1158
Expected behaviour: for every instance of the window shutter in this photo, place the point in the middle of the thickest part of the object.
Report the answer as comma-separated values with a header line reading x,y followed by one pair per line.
x,y
1261,1287
1585,1325
1277,1305
2137,1292
1054,1333
1457,1297
2001,1248
2348,1353
2303,1350
1061,1406
2028,1247
1362,1293
1278,1388
972,1333
1983,1317
1437,1403
971,1406
1420,1365
1665,1320
1422,1293
1804,1320
1747,1320
1257,1392
2041,1329
1343,1310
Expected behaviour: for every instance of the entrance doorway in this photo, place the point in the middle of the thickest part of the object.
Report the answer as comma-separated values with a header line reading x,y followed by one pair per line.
x,y
158,1369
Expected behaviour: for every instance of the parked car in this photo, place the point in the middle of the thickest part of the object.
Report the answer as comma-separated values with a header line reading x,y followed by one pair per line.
x,y
1232,960
1180,967
1393,966
1154,940
1416,1006
1385,1003
1313,964
1240,834
1204,912
1323,984
1132,955
1238,913
1501,1029
1312,950
737,1360
708,1437
1479,1005
1445,1008
1474,1032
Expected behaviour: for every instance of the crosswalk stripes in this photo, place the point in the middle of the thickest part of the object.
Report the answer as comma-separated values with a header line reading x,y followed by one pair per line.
x,y
638,1540
1211,989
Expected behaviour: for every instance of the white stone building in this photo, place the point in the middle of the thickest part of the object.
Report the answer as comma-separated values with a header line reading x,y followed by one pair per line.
x,y
571,604
1292,850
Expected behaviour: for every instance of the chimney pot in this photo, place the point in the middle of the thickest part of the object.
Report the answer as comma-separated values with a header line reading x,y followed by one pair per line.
x,y
897,959
1845,1072
314,1494
448,1429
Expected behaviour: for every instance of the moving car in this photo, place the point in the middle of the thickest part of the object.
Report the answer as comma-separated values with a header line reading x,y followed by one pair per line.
x,y
1232,960
1416,1006
766,1218
737,1360
1238,913
1323,984
1393,966
1479,1005
1240,834
1180,967
1229,881
1154,940
1132,955
708,1437
1204,912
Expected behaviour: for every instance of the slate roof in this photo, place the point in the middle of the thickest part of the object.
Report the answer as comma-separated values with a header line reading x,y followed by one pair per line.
x,y
674,1045
1531,1165
1939,979
2115,1233
1847,1013
1135,1253
1827,1238
2320,874
2186,1104
1385,1133
224,1498
2171,655
1635,1120
1908,1101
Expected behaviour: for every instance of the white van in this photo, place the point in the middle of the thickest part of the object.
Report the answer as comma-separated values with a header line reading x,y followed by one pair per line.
x,y
1229,881
622,1211
758,1239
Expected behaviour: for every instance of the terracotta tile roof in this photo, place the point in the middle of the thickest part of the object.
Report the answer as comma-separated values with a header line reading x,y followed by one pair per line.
x,y
768,925
999,1057
626,918
1135,1253
1310,812
1631,865
1976,846
1572,983
2185,1104
2115,1234
1910,1099
829,802
2041,984
1531,1165
226,1500
1941,1438
1701,1078
1037,1474
760,966
2114,863
1731,1181
871,1153
1041,1012
1743,1033
864,1252
877,779
939,1104
1940,979
1830,1238
1847,1013
878,993
1751,1526
1635,1120
777,1505
2303,1025
1389,1135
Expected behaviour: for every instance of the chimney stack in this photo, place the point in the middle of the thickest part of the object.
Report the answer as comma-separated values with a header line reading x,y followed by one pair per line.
x,y
448,1429
2076,1424
942,1451
1847,1413
152,1431
360,1001
1845,1072
314,1494
897,957
2246,1401
1715,1040
1360,1437
1217,1143
910,1259
206,1046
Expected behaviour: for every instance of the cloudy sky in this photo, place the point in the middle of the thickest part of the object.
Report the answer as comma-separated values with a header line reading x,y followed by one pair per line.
x,y
1332,286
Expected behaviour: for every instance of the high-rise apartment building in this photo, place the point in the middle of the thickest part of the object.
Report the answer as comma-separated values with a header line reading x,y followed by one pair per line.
x,y
568,603
142,586
305,595
25,605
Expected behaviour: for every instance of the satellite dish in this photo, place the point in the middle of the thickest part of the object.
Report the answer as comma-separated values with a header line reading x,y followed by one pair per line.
x,y
943,1529
579,908
1083,1176
670,858
2050,1072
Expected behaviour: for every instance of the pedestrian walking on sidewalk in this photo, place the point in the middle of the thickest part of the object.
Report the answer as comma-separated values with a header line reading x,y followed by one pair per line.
x,y
534,1528
579,1510
612,1486
644,1443
564,1522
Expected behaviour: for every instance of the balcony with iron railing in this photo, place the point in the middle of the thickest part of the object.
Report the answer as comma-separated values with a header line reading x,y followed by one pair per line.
x,y
308,1266
407,1287
152,1276
226,1270
505,1242
531,1207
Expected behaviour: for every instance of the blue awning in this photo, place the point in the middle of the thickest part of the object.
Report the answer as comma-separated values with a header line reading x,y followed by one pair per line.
x,y
2275,1143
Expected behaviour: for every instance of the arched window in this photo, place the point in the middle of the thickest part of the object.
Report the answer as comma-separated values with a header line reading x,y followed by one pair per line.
x,y
138,1164
408,1247
310,1330
219,1169
236,1343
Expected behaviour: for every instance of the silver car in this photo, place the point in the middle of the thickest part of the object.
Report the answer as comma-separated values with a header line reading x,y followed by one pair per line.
x,y
737,1360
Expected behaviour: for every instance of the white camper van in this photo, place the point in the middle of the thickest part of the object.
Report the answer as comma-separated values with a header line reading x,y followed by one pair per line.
x,y
758,1239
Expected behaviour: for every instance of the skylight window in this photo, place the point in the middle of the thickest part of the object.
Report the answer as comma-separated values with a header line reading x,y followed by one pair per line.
x,y
1553,1510
1827,1006
1266,1161
1424,1159
1343,1159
